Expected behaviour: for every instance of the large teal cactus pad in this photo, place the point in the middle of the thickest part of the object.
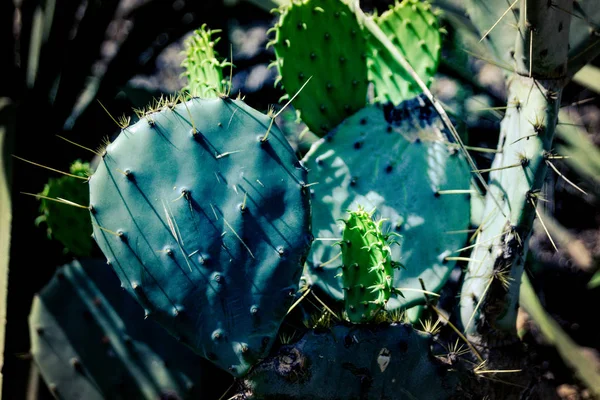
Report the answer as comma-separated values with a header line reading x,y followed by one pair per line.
x,y
414,30
207,223
403,168
90,341
69,225
322,40
367,271
374,362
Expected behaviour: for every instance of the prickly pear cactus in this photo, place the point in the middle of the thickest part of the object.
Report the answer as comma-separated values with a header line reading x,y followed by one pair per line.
x,y
414,30
206,221
367,266
322,40
203,67
89,340
400,162
69,225
374,362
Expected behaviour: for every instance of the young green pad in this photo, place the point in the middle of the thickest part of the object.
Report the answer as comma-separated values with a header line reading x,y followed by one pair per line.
x,y
206,224
69,225
367,272
323,40
203,67
406,169
90,341
414,30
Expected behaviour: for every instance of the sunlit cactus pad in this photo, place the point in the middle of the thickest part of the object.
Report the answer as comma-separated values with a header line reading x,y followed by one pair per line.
x,y
322,40
400,162
206,220
90,341
360,362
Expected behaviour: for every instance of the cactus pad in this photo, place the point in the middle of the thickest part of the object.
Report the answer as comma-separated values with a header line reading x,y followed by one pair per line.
x,y
398,161
322,40
367,272
90,341
414,30
207,224
69,225
374,362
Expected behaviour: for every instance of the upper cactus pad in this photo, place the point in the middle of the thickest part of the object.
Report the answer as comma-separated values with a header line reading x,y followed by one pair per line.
x,y
322,40
414,30
207,224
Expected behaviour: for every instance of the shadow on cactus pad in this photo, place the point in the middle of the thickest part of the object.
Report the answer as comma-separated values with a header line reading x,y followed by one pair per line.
x,y
90,341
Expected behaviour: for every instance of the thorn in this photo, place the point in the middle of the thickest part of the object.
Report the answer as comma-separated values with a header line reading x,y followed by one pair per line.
x,y
499,168
264,139
51,169
78,145
498,21
542,222
564,177
58,200
456,191
123,123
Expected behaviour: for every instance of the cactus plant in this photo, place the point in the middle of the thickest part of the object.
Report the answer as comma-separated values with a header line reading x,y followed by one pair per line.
x,y
69,225
90,340
314,36
398,161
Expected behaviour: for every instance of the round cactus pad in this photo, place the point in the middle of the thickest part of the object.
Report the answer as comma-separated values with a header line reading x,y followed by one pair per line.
x,y
206,221
400,163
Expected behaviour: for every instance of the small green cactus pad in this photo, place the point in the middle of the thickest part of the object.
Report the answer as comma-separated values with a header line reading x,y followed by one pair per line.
x,y
373,362
207,223
367,272
413,29
90,341
322,40
399,162
67,224
203,68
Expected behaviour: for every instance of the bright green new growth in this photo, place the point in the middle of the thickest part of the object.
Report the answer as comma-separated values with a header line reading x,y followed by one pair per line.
x,y
69,225
367,266
413,28
322,40
203,68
